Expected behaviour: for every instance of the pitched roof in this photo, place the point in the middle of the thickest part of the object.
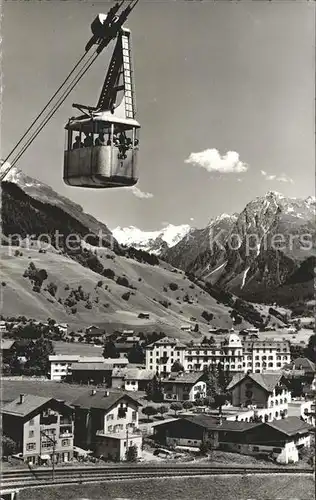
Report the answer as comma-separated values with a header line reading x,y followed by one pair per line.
x,y
267,381
212,423
290,426
29,404
102,401
167,341
133,373
91,367
183,378
6,344
306,364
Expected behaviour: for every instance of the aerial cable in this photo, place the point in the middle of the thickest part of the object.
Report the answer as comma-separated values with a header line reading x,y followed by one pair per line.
x,y
45,107
62,98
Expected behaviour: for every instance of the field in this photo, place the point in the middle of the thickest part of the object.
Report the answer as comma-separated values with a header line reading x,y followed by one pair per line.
x,y
77,348
300,337
270,487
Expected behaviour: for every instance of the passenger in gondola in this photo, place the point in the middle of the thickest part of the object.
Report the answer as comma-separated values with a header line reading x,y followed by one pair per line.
x,y
77,144
136,142
128,143
122,145
88,142
100,140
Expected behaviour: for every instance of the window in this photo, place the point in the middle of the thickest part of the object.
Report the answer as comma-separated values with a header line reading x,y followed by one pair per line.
x,y
110,428
109,417
134,416
31,422
65,442
255,448
31,434
276,450
30,446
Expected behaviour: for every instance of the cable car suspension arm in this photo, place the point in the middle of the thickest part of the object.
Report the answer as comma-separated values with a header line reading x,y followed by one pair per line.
x,y
117,24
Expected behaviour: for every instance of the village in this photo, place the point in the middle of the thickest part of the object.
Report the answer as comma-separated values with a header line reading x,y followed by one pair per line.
x,y
148,397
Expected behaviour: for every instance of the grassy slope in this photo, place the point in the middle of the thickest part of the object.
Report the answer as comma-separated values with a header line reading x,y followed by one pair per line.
x,y
19,299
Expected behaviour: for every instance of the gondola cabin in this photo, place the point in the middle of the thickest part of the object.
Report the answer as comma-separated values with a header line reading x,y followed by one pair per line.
x,y
101,152
102,144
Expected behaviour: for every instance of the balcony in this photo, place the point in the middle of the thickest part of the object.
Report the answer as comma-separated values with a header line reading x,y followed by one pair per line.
x,y
66,432
130,432
48,420
65,421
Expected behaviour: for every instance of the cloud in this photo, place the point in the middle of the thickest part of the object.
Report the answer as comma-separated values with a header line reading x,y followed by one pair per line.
x,y
213,161
140,194
278,178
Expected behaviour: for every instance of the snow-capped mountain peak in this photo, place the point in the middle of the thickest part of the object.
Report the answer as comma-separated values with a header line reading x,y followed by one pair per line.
x,y
151,241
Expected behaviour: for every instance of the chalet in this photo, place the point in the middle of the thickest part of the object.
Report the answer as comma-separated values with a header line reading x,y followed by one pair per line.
x,y
7,347
144,315
107,423
94,334
261,390
280,439
184,386
301,367
42,427
131,379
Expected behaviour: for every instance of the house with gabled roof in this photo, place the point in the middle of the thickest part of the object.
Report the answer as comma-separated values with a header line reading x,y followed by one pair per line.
x,y
182,386
107,423
280,440
42,427
261,391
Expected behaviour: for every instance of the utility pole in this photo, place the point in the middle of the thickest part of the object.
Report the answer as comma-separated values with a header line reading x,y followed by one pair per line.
x,y
54,449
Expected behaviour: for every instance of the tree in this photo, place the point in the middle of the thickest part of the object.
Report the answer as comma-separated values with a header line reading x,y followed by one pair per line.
x,y
177,406
297,351
177,367
204,447
187,405
109,350
9,446
162,409
310,351
154,390
150,411
196,327
37,355
132,453
136,354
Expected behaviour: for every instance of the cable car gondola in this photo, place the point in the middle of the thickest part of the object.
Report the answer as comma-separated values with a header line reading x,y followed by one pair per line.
x,y
102,143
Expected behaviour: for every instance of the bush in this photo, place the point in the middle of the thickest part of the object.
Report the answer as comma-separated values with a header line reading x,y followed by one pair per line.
x,y
176,407
122,281
99,283
164,303
3,283
149,411
207,316
126,295
108,273
173,286
52,289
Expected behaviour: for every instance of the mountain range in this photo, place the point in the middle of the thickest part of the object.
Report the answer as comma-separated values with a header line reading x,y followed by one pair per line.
x,y
257,254
155,242
95,282
163,272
